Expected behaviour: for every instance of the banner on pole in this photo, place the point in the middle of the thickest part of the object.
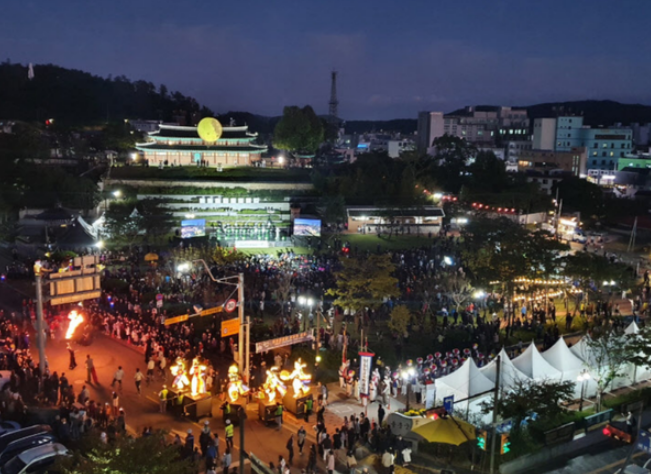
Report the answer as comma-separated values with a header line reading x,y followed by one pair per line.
x,y
299,338
365,366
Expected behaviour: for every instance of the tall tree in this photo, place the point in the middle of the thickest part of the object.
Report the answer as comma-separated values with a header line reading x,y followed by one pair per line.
x,y
299,130
364,282
143,455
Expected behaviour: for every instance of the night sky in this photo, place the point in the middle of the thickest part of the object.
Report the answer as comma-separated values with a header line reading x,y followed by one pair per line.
x,y
394,57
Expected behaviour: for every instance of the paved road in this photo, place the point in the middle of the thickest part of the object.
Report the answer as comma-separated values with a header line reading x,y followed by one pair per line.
x,y
142,410
604,460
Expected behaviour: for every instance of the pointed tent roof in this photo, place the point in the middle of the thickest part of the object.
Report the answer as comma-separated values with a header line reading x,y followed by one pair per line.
x,y
632,329
467,381
561,357
509,374
533,365
583,350
76,236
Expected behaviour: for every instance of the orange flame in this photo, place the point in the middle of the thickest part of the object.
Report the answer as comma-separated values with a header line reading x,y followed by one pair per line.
x,y
75,320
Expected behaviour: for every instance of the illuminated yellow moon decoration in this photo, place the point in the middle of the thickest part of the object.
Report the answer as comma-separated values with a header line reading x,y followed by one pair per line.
x,y
209,129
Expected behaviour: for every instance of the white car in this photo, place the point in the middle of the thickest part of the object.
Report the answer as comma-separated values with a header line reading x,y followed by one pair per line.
x,y
35,460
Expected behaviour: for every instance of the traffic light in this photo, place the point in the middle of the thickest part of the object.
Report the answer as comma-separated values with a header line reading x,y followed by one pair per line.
x,y
505,444
481,440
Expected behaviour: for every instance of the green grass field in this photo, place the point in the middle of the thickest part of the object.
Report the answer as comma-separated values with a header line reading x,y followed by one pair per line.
x,y
370,242
241,174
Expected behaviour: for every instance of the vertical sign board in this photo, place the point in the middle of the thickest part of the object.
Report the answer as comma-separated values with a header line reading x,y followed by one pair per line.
x,y
365,366
448,404
230,327
643,442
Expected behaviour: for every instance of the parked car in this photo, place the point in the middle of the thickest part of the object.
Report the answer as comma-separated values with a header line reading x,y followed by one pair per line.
x,y
23,444
35,460
12,436
7,426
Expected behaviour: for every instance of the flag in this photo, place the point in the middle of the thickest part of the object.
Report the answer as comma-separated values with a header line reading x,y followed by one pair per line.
x,y
30,72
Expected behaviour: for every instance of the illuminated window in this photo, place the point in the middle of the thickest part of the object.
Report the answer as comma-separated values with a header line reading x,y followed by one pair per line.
x,y
612,154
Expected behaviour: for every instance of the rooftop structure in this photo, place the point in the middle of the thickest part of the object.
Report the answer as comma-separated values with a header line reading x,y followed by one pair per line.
x,y
175,145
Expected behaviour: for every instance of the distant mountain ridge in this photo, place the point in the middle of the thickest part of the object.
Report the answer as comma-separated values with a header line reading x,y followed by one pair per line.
x,y
78,97
81,98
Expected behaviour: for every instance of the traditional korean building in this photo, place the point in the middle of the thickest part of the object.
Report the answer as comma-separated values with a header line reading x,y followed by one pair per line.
x,y
174,145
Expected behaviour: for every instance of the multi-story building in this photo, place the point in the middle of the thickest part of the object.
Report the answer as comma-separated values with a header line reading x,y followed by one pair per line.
x,y
430,127
397,147
175,145
481,125
573,161
604,146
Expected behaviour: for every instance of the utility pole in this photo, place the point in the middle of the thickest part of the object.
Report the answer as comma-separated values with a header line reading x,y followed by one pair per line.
x,y
240,339
247,347
631,240
242,418
40,324
316,336
495,405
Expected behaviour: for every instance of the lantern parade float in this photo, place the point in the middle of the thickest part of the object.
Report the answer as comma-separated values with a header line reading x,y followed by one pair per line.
x,y
189,387
273,391
293,387
237,392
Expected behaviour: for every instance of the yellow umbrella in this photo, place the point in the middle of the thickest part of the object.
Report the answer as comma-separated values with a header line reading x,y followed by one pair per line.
x,y
150,257
447,430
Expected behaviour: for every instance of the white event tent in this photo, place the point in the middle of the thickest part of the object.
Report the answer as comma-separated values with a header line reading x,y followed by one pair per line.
x,y
532,364
563,359
509,374
468,385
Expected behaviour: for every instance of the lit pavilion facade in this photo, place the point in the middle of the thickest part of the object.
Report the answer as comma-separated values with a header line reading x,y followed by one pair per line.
x,y
175,145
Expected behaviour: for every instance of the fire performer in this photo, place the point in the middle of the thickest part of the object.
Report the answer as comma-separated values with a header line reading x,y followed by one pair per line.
x,y
73,362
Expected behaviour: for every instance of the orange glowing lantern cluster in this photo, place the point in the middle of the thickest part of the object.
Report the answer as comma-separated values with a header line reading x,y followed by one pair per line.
x,y
300,380
273,385
181,381
75,320
236,387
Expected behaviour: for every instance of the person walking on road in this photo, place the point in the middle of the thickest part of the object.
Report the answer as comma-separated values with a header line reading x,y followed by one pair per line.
x,y
229,432
300,439
309,404
151,365
162,398
115,404
117,377
138,378
279,415
226,460
73,361
189,444
380,414
204,437
290,449
90,369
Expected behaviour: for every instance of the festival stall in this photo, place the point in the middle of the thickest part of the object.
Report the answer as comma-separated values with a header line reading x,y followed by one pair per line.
x,y
562,359
469,386
510,376
532,364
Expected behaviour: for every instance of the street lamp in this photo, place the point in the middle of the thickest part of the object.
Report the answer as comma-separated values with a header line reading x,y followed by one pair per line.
x,y
407,375
281,160
583,377
117,193
134,156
